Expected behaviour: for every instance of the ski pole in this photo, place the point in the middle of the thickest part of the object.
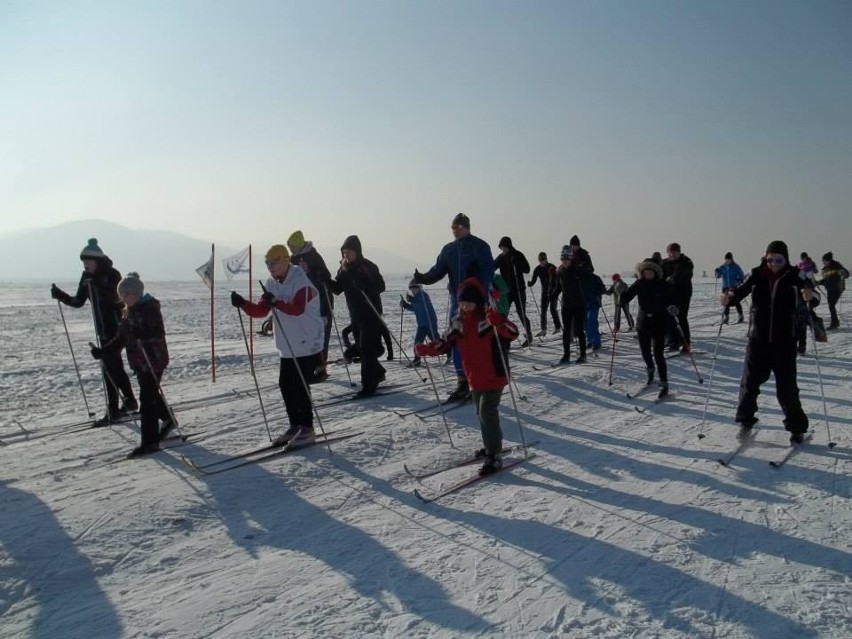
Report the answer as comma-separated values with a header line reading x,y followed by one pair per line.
x,y
612,332
612,357
74,359
298,367
510,377
109,380
831,444
95,314
401,321
703,422
254,376
382,320
438,400
339,338
688,347
160,387
521,304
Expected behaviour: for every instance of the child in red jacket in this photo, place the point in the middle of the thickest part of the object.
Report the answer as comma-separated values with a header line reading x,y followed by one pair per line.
x,y
484,360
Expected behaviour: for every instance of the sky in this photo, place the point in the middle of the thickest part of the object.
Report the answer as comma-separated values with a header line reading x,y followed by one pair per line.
x,y
720,125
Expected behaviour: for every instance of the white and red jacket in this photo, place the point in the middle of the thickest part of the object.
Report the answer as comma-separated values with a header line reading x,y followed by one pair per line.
x,y
297,308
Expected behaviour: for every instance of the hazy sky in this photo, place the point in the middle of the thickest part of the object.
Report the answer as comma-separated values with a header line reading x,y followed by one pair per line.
x,y
719,124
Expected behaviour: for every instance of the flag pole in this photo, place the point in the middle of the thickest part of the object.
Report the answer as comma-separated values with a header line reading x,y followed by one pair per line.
x,y
212,309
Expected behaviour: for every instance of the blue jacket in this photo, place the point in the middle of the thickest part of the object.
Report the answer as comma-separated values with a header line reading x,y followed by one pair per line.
x,y
421,306
456,258
732,275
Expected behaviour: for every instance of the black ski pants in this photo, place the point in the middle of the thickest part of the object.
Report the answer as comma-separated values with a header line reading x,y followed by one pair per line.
x,y
652,338
573,324
549,302
369,346
674,338
297,400
116,380
763,359
152,408
519,299
833,297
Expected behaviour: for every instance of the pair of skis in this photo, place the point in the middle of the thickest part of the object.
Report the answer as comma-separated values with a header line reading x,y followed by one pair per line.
x,y
264,453
748,439
428,497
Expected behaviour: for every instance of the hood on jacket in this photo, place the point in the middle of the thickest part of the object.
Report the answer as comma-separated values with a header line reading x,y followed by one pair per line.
x,y
648,264
352,243
471,290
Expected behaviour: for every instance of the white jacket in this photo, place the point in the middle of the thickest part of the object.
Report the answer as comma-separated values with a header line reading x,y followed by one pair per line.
x,y
304,332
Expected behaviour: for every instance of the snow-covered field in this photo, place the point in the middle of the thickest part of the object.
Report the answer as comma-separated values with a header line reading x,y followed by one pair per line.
x,y
621,525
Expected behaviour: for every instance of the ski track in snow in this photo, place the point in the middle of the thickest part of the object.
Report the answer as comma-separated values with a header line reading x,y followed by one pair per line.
x,y
622,525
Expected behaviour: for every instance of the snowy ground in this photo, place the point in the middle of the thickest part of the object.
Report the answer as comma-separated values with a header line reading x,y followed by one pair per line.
x,y
621,525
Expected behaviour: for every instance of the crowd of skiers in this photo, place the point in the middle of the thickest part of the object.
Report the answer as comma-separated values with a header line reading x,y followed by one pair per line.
x,y
300,290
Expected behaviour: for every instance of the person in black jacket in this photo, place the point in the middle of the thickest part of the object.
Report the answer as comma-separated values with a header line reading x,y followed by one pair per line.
x,y
142,333
834,280
304,255
652,319
362,285
546,272
99,284
677,271
514,266
573,305
775,289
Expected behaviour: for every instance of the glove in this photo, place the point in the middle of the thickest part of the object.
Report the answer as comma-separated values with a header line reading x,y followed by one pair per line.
x,y
670,279
673,310
530,284
269,298
495,294
432,349
237,300
97,353
57,293
493,317
418,277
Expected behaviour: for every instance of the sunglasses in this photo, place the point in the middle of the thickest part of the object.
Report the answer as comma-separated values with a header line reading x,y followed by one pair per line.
x,y
778,261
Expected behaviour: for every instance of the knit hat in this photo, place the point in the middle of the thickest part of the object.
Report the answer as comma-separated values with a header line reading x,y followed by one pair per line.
x,y
828,257
505,242
352,243
616,277
542,256
567,253
461,220
92,251
803,256
296,240
414,284
777,246
278,253
470,290
674,246
574,241
131,285
656,258
729,256
648,264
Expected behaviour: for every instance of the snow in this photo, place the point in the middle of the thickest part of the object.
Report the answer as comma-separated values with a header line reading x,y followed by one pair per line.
x,y
621,525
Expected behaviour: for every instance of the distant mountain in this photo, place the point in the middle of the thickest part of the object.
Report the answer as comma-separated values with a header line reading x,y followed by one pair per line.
x,y
52,253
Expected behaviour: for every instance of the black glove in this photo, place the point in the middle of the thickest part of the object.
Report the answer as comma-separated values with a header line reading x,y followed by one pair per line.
x,y
418,277
530,284
237,299
269,298
673,310
57,293
97,353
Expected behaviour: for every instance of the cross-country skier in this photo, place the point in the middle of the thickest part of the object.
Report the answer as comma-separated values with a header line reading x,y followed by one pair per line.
x,y
546,273
834,277
775,289
99,284
298,329
732,276
419,303
142,332
484,357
